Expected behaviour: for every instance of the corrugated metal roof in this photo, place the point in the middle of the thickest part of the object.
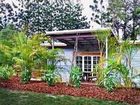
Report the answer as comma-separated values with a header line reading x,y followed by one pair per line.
x,y
74,31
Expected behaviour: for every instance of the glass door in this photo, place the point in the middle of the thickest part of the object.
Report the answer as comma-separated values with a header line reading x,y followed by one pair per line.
x,y
87,65
79,61
87,68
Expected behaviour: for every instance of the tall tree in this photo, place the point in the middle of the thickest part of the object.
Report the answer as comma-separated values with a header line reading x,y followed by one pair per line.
x,y
45,15
7,14
123,14
135,18
36,16
100,14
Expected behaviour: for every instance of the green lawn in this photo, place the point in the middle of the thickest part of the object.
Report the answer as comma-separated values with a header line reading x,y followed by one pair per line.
x,y
8,97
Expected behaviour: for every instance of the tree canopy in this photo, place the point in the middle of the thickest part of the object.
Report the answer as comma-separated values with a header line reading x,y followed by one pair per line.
x,y
43,15
7,14
100,14
122,14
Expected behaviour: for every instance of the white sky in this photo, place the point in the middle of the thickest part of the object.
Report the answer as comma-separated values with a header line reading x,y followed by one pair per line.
x,y
88,12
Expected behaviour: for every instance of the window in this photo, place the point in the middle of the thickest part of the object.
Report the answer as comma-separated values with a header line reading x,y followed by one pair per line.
x,y
87,65
79,61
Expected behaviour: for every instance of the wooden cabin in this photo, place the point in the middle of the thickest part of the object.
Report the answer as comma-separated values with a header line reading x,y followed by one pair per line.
x,y
81,48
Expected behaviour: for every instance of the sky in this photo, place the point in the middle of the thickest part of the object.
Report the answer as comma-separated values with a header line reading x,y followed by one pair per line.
x,y
86,10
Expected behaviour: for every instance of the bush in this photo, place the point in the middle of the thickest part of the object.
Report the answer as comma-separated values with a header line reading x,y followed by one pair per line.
x,y
114,75
5,72
58,78
75,76
109,83
25,75
49,78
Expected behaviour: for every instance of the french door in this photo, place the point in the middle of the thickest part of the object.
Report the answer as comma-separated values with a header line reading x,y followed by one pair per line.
x,y
88,66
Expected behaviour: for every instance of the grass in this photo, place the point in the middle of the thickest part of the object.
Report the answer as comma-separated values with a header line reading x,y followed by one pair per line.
x,y
8,97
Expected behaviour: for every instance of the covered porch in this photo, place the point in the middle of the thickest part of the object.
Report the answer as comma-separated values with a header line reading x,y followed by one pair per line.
x,y
85,49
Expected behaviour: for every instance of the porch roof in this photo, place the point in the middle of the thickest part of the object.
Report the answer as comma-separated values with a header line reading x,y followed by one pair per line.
x,y
84,36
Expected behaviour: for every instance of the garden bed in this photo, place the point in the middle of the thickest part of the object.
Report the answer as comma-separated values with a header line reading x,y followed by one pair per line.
x,y
128,95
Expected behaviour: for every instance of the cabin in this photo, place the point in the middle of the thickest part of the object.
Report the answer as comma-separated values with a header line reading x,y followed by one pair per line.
x,y
81,47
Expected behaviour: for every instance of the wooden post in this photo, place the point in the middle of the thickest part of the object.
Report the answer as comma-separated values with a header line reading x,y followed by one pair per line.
x,y
106,51
52,43
75,51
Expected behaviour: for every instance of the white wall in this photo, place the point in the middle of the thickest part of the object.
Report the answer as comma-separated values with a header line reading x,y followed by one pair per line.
x,y
136,63
68,54
65,73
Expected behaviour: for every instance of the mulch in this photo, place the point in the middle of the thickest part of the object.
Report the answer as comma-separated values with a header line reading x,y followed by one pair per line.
x,y
129,95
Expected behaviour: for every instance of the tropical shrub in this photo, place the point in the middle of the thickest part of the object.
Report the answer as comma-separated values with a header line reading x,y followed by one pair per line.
x,y
75,76
58,78
49,78
23,56
100,69
114,75
5,72
120,70
6,44
28,54
119,63
110,83
101,36
53,58
25,75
